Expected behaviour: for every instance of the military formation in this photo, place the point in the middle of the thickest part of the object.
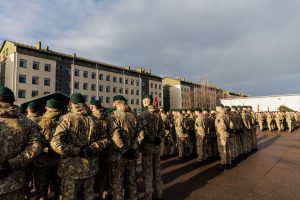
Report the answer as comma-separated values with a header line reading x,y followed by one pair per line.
x,y
87,152
279,120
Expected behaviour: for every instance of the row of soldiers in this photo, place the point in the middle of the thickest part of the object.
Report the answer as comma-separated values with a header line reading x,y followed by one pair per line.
x,y
226,132
277,121
83,150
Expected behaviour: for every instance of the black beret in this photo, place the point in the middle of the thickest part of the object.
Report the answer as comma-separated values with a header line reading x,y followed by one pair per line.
x,y
119,97
7,94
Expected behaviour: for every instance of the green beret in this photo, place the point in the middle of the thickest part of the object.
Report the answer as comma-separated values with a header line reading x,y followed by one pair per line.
x,y
233,107
96,103
148,96
32,105
197,109
119,97
52,103
7,94
77,98
220,105
227,108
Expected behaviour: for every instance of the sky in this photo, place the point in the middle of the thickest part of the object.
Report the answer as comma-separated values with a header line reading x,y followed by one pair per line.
x,y
244,46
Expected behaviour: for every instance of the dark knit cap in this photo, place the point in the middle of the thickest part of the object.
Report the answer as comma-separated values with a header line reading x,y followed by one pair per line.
x,y
32,105
148,96
7,94
96,103
52,103
119,97
77,98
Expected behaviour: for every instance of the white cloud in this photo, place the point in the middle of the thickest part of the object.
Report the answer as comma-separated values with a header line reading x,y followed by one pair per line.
x,y
248,46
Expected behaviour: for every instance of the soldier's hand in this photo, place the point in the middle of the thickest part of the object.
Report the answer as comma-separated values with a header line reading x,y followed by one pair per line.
x,y
5,169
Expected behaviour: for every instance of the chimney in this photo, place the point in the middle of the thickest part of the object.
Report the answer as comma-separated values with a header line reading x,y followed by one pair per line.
x,y
47,48
38,45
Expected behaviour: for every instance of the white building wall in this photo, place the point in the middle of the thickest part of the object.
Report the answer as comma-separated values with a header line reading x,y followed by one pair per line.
x,y
175,97
270,103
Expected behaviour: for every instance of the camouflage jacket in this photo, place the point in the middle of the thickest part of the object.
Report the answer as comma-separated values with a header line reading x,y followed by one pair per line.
x,y
20,143
35,117
76,131
150,126
47,127
122,132
222,124
246,120
201,125
179,126
189,124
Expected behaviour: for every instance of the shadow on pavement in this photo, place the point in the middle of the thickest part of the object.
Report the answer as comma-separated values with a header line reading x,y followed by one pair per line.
x,y
183,189
261,138
267,143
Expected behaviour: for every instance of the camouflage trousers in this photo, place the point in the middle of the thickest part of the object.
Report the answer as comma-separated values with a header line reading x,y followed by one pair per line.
x,y
232,146
290,125
279,125
182,146
254,138
261,125
246,141
168,145
192,143
73,189
271,125
224,150
45,177
238,147
102,177
201,147
123,179
15,195
152,174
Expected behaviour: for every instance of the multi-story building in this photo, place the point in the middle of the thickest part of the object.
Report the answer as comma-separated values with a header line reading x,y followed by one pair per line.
x,y
34,71
182,94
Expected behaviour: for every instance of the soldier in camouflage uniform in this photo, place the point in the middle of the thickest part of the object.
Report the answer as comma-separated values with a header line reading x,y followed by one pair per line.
x,y
182,137
167,139
253,129
20,143
271,121
33,115
211,138
45,166
246,136
102,177
151,126
291,121
124,139
78,142
201,129
238,129
279,121
260,119
222,124
189,124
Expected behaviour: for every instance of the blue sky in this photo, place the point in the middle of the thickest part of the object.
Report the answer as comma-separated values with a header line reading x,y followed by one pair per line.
x,y
246,46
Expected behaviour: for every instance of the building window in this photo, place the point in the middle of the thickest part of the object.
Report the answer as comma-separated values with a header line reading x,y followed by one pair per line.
x,y
126,91
67,84
126,81
159,103
100,76
132,82
159,86
107,77
132,101
132,91
46,92
115,90
101,99
155,86
93,97
107,88
21,93
151,85
47,81
120,80
76,85
68,71
77,72
137,92
137,102
47,67
85,86
85,97
121,90
23,63
22,78
101,88
34,93
137,83
93,75
159,95
114,79
35,65
85,74
107,99
93,87
35,80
